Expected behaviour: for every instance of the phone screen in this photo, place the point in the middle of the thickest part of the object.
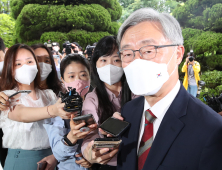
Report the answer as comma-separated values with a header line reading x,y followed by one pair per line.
x,y
114,126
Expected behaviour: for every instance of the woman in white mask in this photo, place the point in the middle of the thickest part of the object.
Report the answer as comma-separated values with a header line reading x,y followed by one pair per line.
x,y
48,73
49,78
27,142
110,94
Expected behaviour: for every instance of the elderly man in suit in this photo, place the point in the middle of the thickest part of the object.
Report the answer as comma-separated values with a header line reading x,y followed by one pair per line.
x,y
170,129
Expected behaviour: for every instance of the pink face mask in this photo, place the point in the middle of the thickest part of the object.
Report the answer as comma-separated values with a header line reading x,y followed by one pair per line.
x,y
79,85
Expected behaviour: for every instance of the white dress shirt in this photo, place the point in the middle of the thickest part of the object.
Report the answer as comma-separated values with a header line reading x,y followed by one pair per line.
x,y
159,110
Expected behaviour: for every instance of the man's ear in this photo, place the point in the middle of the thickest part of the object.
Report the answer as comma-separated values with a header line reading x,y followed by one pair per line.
x,y
180,53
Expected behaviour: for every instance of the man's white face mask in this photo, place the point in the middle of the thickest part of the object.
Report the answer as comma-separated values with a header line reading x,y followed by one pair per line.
x,y
110,74
145,77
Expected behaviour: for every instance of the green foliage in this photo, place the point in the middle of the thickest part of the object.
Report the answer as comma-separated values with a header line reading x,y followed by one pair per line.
x,y
4,6
82,37
212,78
125,3
214,61
61,18
16,7
202,42
130,6
7,25
205,15
112,6
190,35
213,17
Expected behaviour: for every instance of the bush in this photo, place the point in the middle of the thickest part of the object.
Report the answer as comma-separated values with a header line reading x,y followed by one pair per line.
x,y
212,78
112,6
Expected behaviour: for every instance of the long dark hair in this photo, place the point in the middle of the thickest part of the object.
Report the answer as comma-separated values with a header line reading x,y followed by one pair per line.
x,y
8,82
105,47
52,81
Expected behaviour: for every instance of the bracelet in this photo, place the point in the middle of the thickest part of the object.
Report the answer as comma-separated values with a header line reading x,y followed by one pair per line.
x,y
49,113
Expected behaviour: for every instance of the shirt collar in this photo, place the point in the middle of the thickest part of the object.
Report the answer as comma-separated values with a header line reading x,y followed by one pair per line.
x,y
112,95
160,108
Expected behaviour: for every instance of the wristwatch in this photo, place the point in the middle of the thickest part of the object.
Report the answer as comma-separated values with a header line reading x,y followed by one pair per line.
x,y
69,143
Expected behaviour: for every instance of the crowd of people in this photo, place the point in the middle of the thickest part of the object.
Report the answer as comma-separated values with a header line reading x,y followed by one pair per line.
x,y
132,77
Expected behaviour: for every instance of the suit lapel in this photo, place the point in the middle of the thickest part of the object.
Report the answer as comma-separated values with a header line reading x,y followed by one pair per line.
x,y
132,114
169,129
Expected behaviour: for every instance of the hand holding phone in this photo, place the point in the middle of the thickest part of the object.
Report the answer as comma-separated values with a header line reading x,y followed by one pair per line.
x,y
8,102
111,143
87,119
79,130
114,126
42,166
100,156
18,94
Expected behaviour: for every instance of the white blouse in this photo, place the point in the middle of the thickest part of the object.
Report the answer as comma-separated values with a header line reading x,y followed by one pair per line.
x,y
27,136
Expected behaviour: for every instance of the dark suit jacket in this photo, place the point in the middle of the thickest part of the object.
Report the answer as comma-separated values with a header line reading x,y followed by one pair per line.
x,y
189,137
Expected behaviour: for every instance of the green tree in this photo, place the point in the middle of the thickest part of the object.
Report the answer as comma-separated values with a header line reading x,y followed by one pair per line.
x,y
7,25
202,31
205,15
4,6
130,6
38,19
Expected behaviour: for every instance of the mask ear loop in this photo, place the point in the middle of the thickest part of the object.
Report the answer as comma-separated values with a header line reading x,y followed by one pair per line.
x,y
169,62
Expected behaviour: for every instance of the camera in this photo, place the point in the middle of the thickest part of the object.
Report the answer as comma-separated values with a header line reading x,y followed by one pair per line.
x,y
48,44
89,51
67,45
72,99
191,58
215,102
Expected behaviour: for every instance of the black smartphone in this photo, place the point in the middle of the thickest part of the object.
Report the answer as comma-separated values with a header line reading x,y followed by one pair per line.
x,y
111,143
21,91
42,166
114,126
87,119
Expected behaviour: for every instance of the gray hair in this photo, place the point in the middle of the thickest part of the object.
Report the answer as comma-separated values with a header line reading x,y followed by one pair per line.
x,y
170,26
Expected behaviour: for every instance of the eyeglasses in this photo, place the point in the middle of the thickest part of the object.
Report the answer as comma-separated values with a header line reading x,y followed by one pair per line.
x,y
147,52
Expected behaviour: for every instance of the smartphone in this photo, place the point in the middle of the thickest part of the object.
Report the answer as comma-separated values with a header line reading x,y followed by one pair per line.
x,y
114,126
21,91
111,143
87,119
42,166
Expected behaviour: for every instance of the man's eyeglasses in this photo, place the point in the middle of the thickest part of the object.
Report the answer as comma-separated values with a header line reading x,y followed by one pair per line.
x,y
146,52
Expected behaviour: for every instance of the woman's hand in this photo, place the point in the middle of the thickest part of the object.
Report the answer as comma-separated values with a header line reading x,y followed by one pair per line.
x,y
57,110
83,162
102,156
220,113
117,115
75,133
4,103
51,162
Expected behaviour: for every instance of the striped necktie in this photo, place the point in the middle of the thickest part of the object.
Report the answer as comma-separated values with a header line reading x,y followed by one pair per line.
x,y
147,139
